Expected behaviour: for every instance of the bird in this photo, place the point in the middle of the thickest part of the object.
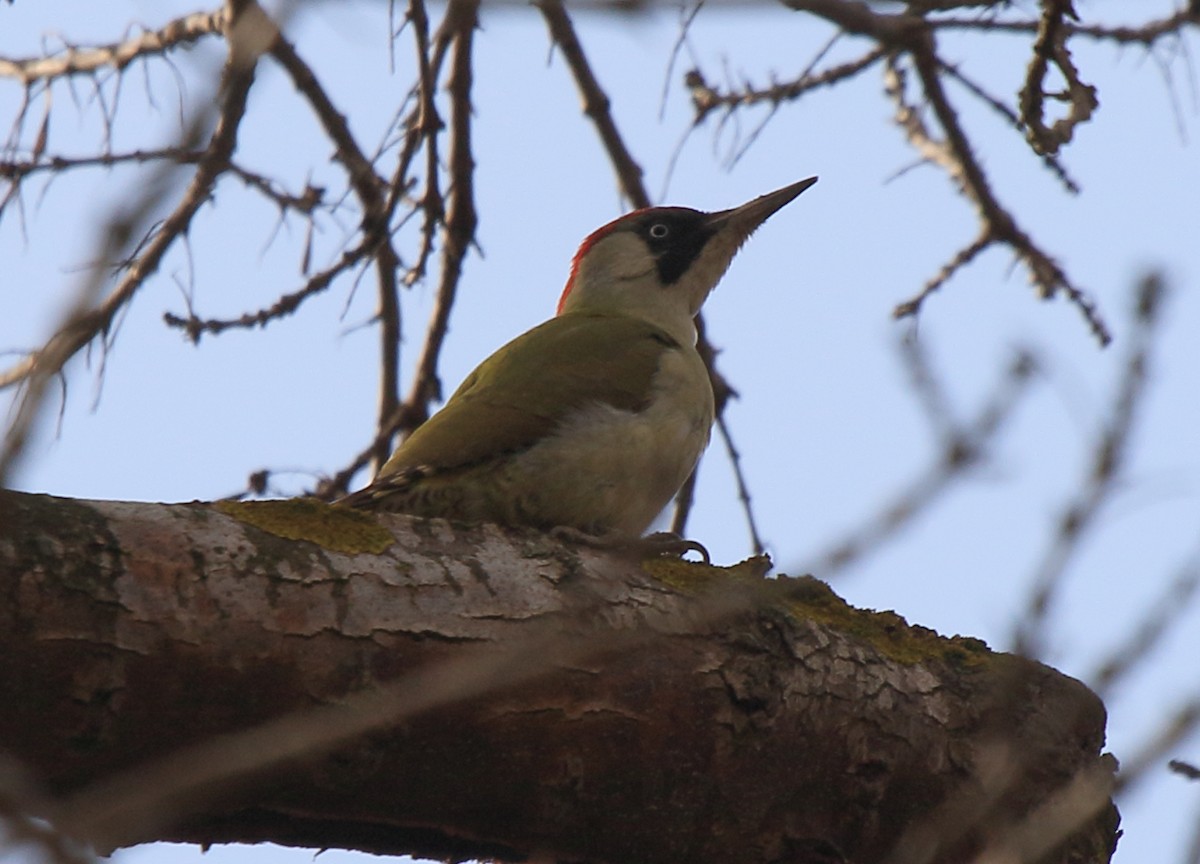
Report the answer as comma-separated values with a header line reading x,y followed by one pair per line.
x,y
590,423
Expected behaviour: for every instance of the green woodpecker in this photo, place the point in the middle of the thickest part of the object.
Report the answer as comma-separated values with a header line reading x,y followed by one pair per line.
x,y
593,420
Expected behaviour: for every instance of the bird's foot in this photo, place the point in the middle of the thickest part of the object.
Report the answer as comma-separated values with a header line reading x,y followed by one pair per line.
x,y
660,543
670,543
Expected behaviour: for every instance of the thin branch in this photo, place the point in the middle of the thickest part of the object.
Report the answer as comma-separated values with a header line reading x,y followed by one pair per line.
x,y
235,85
1051,47
930,392
1145,34
596,104
1050,160
370,189
424,126
960,259
955,154
75,60
458,29
706,97
743,490
249,34
195,327
19,170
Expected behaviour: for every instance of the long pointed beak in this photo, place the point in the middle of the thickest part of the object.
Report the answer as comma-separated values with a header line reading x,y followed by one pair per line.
x,y
741,221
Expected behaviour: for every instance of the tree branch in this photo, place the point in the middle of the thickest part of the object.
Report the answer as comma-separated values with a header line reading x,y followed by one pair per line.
x,y
75,60
312,675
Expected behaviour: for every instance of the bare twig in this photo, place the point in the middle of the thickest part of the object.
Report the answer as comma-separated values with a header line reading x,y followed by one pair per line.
x,y
706,97
596,104
960,259
1145,34
195,327
909,34
1051,47
18,170
370,190
249,34
422,129
743,490
955,155
455,36
74,60
1184,769
236,80
1050,160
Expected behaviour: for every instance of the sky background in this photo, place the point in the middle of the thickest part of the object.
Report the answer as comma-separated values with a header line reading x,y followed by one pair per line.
x,y
827,424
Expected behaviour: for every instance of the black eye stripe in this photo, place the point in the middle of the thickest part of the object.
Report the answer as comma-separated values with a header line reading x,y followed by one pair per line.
x,y
674,236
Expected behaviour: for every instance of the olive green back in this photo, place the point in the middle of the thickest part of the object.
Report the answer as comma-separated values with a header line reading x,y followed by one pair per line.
x,y
519,394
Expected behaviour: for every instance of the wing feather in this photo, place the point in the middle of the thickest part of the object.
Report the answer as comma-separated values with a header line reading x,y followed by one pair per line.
x,y
523,391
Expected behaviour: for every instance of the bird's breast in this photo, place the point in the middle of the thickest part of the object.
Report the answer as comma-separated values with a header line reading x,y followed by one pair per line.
x,y
624,466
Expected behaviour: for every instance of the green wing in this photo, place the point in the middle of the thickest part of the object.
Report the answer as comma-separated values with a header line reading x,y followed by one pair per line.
x,y
520,393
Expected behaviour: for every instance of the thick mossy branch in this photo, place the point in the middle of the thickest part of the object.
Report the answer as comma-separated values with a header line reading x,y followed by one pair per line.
x,y
223,672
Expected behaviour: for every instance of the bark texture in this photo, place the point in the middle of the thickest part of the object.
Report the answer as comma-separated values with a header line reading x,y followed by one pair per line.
x,y
300,673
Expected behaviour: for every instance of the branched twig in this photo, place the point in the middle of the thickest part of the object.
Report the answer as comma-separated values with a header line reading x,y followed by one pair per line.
x,y
910,34
706,98
86,326
75,60
1146,34
249,34
370,190
455,38
461,220
1050,160
1051,47
19,170
424,126
961,258
458,30
1104,472
596,104
195,326
955,155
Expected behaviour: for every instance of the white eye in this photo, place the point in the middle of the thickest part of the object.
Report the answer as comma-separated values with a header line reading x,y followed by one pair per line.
x,y
659,230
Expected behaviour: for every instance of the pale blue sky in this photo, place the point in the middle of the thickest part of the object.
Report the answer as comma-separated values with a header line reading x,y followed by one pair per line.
x,y
826,423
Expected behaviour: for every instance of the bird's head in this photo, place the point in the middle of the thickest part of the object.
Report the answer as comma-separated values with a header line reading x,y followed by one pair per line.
x,y
660,263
